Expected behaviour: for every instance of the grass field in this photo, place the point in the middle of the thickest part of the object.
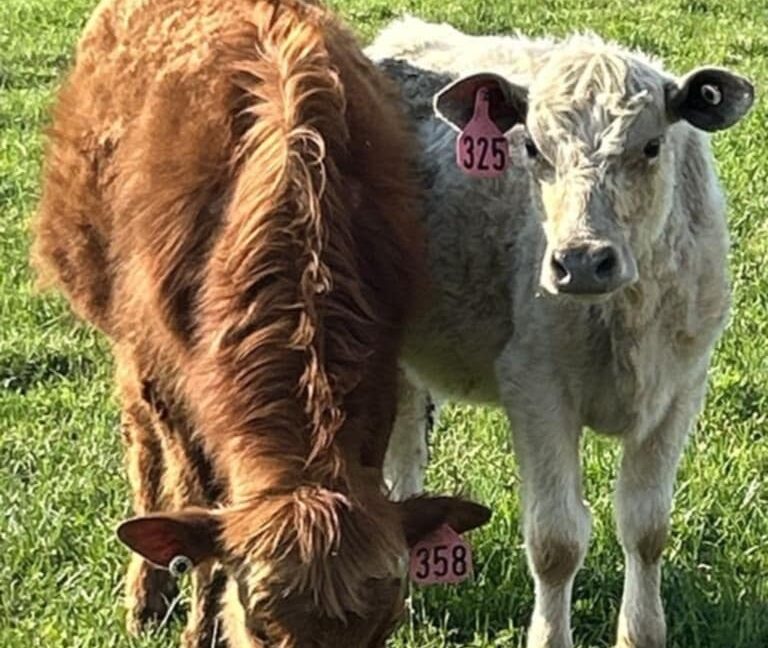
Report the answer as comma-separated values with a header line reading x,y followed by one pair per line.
x,y
62,487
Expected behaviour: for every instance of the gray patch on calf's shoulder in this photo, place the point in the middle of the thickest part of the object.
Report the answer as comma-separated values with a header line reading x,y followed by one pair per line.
x,y
417,86
417,89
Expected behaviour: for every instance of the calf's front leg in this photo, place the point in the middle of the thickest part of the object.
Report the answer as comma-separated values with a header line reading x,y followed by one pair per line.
x,y
643,502
556,521
203,628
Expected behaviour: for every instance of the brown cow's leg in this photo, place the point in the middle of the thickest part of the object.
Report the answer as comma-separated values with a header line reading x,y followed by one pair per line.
x,y
203,627
149,591
187,482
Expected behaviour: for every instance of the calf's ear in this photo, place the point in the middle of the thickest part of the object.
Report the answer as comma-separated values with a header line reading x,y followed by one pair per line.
x,y
163,537
508,103
423,515
710,98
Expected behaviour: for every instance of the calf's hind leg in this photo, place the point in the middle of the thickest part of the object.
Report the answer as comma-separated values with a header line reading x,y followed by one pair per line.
x,y
407,453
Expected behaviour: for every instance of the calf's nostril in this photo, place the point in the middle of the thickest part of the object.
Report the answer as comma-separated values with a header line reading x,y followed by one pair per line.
x,y
607,264
560,271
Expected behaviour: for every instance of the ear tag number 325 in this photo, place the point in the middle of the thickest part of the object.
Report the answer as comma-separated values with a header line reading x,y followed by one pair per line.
x,y
443,557
482,150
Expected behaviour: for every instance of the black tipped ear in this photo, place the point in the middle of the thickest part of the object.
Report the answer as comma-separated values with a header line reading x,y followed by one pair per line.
x,y
161,538
710,98
455,103
423,515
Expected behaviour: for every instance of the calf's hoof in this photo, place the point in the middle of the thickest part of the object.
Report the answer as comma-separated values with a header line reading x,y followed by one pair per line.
x,y
630,643
540,636
650,639
646,630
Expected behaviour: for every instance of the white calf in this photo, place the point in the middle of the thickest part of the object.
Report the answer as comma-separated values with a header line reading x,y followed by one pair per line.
x,y
585,287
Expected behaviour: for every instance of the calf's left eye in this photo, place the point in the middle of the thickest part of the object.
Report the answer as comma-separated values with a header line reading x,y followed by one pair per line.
x,y
652,148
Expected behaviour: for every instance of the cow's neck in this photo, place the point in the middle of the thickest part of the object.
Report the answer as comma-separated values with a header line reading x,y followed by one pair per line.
x,y
256,470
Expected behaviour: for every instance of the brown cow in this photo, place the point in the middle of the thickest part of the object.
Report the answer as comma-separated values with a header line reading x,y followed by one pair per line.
x,y
227,197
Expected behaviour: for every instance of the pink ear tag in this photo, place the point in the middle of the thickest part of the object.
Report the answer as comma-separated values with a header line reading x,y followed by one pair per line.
x,y
482,150
441,558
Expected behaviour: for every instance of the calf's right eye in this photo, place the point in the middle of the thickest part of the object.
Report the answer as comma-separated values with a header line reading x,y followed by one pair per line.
x,y
530,148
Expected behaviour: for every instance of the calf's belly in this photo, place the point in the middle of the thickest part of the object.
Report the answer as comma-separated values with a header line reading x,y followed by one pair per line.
x,y
455,363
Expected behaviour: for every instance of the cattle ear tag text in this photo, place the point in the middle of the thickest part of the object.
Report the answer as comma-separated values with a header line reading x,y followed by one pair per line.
x,y
482,150
444,557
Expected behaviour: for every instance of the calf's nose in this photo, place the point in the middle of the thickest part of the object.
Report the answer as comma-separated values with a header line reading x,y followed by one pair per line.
x,y
586,270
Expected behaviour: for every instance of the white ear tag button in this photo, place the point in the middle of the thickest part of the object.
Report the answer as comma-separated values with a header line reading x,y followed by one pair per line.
x,y
711,94
180,566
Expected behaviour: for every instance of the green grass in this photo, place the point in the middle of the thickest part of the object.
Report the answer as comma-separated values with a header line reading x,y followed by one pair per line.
x,y
62,487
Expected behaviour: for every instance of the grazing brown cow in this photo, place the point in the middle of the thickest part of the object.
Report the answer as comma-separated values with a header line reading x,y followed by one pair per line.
x,y
227,197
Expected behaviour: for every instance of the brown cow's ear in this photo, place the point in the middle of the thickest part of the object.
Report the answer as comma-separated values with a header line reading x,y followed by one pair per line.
x,y
423,515
710,98
160,538
455,103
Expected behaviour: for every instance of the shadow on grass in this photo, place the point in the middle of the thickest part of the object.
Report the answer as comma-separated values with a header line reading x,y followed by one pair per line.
x,y
20,373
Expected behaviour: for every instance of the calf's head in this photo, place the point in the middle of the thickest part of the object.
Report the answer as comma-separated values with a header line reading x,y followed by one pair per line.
x,y
307,569
600,124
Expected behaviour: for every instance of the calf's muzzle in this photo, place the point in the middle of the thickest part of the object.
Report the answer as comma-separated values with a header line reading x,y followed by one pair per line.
x,y
588,269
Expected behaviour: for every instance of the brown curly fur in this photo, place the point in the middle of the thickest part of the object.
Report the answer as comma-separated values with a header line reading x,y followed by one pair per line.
x,y
227,196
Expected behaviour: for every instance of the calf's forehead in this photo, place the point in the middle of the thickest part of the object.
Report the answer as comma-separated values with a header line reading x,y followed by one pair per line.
x,y
596,100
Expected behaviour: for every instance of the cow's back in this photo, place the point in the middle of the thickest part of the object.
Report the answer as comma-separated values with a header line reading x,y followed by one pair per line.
x,y
140,154
130,108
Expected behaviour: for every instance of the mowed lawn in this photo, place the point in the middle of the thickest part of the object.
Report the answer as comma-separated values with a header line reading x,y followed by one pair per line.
x,y
62,487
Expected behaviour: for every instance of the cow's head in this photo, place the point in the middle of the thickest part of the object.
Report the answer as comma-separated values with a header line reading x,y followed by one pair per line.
x,y
600,124
307,568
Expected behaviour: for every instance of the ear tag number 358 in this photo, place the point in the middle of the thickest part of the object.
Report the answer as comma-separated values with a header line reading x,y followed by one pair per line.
x,y
482,150
443,557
